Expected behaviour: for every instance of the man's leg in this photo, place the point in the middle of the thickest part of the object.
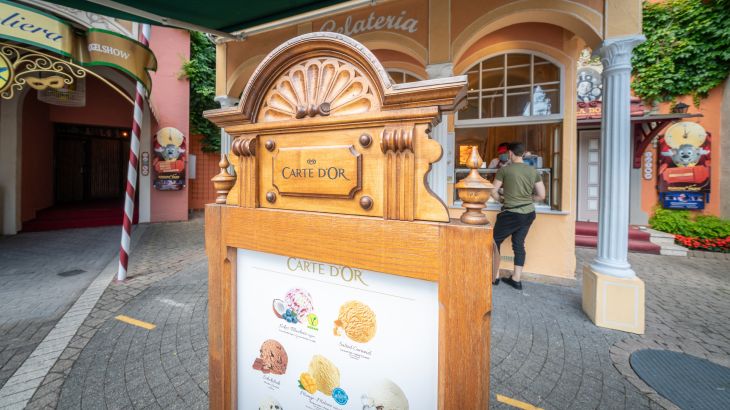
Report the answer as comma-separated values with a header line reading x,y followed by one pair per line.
x,y
518,244
506,224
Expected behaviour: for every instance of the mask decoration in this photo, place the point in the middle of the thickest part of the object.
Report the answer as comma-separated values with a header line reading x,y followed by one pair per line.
x,y
504,157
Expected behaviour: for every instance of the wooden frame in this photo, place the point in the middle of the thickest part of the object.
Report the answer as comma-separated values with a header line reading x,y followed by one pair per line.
x,y
390,223
456,256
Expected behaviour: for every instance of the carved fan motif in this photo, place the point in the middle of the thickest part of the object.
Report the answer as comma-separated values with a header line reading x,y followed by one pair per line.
x,y
321,86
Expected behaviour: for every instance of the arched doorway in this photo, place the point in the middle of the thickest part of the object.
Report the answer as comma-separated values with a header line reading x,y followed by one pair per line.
x,y
74,159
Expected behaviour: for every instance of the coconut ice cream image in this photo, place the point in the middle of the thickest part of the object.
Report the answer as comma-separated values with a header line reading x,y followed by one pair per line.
x,y
272,358
357,320
270,403
324,373
384,395
300,302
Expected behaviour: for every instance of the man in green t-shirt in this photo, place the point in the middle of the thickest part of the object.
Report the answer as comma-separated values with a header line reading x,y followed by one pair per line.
x,y
521,186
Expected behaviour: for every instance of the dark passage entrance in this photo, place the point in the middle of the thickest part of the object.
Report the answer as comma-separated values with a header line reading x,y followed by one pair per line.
x,y
91,162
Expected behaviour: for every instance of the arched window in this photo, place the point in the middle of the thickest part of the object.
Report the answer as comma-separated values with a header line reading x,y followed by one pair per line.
x,y
398,76
513,86
513,97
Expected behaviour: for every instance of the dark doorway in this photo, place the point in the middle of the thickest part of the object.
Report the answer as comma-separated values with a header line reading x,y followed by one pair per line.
x,y
91,162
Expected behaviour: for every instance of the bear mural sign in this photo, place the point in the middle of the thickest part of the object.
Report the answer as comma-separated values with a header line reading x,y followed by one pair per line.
x,y
169,161
684,166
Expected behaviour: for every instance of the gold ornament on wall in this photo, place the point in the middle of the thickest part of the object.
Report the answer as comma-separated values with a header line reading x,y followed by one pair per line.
x,y
36,70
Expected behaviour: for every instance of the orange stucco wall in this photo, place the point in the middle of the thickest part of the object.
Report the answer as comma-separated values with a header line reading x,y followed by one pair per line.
x,y
711,109
170,101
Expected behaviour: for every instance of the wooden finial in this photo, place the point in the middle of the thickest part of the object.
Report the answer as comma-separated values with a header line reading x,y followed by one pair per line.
x,y
474,192
223,182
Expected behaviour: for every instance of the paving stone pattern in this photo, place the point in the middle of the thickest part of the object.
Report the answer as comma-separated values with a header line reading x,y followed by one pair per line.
x,y
544,349
164,250
33,296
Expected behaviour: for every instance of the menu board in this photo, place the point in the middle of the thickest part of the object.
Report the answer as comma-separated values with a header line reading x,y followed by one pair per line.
x,y
317,336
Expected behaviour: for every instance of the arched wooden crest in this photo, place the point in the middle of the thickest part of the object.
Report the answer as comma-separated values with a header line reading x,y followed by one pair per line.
x,y
320,128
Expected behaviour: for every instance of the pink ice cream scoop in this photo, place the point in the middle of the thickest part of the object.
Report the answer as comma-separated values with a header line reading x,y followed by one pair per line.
x,y
299,301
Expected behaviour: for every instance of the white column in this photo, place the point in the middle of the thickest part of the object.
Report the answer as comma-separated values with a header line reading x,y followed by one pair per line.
x,y
144,190
438,176
225,101
11,118
613,217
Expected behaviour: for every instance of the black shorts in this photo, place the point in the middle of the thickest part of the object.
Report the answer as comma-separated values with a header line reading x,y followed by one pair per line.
x,y
515,225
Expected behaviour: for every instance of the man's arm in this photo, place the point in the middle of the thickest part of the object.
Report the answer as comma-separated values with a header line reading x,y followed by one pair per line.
x,y
539,192
495,192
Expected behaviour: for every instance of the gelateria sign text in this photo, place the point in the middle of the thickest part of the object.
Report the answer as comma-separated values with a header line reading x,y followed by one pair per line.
x,y
350,27
321,171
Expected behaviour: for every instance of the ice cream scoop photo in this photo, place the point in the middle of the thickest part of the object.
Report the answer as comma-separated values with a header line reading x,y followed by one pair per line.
x,y
300,303
270,403
357,320
324,373
384,395
272,358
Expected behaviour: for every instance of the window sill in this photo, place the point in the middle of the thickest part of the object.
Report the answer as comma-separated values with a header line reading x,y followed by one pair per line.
x,y
494,207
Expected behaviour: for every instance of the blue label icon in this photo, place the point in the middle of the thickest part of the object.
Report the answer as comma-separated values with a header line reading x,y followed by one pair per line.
x,y
340,396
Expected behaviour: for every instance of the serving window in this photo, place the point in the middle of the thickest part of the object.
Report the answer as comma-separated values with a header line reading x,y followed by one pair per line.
x,y
513,97
543,143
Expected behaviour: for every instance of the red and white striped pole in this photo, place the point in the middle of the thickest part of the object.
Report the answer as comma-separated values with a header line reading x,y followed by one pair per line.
x,y
132,169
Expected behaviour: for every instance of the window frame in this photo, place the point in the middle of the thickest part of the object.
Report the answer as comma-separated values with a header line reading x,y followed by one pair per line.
x,y
520,119
402,72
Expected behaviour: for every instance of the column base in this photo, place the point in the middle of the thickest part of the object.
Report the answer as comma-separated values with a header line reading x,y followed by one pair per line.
x,y
614,303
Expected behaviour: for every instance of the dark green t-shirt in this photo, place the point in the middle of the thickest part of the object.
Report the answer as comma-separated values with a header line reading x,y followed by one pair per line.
x,y
518,183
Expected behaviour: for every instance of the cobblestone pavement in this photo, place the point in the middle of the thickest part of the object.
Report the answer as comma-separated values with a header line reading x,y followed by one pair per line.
x,y
163,251
34,297
544,350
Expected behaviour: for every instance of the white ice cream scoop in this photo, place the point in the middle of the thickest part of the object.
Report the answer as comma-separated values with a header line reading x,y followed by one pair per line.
x,y
270,403
384,395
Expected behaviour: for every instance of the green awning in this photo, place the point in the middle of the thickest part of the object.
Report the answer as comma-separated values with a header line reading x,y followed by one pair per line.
x,y
214,16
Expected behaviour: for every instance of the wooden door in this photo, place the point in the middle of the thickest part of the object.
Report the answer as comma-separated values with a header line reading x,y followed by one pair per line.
x,y
589,172
105,176
70,169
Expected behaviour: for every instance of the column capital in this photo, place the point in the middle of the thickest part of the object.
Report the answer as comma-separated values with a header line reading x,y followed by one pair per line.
x,y
441,70
616,52
225,101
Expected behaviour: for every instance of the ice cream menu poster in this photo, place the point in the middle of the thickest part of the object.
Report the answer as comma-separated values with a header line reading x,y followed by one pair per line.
x,y
317,336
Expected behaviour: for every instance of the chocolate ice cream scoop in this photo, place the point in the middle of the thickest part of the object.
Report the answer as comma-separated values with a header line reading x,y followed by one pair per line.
x,y
272,358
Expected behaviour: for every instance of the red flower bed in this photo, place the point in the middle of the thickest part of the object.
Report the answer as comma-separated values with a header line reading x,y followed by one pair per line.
x,y
712,245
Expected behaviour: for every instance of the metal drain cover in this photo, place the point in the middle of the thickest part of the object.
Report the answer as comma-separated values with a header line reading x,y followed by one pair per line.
x,y
71,272
687,381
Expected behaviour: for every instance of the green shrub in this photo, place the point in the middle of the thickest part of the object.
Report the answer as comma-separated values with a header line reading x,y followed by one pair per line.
x,y
686,224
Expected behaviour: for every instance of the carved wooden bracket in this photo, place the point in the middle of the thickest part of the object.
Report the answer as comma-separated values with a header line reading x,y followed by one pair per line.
x,y
399,173
245,192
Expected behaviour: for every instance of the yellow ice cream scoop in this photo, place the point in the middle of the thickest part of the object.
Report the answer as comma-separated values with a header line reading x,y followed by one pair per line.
x,y
357,320
325,373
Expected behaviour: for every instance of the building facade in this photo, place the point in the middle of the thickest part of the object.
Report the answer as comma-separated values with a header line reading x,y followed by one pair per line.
x,y
64,150
520,59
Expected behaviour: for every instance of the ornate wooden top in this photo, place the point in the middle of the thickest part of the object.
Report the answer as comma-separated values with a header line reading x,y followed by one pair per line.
x,y
319,127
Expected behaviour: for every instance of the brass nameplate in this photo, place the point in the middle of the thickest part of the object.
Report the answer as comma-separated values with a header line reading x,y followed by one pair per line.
x,y
323,171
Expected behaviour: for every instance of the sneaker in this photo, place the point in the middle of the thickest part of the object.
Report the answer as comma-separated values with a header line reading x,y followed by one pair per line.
x,y
495,282
515,284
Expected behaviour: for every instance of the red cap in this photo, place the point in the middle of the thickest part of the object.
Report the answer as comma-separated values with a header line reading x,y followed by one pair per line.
x,y
502,150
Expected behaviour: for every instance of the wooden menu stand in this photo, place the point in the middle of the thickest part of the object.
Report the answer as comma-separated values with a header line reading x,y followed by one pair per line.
x,y
331,162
